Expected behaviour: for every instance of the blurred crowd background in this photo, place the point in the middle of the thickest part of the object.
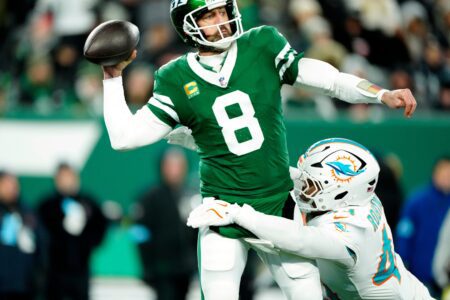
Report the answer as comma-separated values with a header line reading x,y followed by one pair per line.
x,y
394,43
91,213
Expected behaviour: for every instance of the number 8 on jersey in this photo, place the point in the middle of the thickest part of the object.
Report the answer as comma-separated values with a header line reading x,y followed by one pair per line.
x,y
231,125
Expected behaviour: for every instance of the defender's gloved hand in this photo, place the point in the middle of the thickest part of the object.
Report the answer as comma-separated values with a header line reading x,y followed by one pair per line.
x,y
213,213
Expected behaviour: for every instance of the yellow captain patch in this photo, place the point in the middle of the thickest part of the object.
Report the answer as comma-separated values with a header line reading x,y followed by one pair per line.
x,y
191,89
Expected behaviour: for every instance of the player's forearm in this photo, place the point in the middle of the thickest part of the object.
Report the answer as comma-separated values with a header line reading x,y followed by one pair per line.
x,y
287,235
127,130
320,76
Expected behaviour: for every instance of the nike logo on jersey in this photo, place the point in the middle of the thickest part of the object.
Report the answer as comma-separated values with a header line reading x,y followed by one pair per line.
x,y
339,217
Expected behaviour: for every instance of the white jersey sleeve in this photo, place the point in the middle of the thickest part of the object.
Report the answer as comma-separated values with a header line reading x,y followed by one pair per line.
x,y
345,225
127,130
322,77
287,235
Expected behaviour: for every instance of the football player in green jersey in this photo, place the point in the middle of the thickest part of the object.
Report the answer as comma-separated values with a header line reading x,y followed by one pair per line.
x,y
228,95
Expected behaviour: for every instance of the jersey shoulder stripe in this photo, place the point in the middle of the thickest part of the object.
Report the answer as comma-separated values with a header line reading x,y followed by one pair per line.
x,y
163,112
166,85
285,60
155,101
270,41
164,99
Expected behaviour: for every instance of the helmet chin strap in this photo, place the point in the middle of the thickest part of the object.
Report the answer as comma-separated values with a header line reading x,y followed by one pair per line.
x,y
203,49
215,49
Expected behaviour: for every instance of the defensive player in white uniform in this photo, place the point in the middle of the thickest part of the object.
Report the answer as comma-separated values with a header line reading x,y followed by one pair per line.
x,y
346,233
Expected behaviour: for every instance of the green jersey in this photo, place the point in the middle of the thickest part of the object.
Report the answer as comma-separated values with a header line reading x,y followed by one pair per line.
x,y
235,114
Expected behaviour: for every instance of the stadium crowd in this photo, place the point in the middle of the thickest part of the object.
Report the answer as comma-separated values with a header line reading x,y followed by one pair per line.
x,y
394,43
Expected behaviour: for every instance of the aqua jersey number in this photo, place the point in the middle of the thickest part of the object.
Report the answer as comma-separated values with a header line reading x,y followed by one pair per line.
x,y
387,267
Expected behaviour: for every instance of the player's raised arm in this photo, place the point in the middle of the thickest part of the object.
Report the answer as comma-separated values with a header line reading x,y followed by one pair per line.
x,y
126,130
323,77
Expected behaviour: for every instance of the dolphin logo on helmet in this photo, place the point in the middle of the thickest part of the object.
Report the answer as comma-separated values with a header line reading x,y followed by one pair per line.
x,y
344,169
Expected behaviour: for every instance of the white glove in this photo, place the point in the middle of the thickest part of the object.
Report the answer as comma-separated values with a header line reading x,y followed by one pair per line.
x,y
182,136
213,213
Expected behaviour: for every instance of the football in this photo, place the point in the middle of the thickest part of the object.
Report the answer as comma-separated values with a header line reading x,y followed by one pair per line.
x,y
111,42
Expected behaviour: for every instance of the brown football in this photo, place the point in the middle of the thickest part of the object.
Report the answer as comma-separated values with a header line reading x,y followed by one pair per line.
x,y
111,42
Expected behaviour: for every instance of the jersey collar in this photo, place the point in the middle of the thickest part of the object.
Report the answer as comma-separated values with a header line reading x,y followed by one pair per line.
x,y
220,79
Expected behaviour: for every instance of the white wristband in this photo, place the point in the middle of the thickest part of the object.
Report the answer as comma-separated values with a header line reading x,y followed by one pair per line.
x,y
380,95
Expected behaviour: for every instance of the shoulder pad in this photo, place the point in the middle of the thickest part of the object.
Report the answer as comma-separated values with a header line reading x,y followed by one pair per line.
x,y
172,67
355,217
261,35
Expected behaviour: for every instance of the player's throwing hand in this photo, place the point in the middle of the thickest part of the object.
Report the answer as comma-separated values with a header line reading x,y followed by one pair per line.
x,y
115,71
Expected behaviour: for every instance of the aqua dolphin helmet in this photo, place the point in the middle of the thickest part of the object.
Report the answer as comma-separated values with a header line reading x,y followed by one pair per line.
x,y
335,173
184,15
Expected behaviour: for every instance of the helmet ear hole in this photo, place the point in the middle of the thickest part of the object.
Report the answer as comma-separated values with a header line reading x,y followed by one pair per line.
x,y
341,195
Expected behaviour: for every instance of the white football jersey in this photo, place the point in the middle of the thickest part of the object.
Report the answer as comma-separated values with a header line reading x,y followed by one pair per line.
x,y
378,272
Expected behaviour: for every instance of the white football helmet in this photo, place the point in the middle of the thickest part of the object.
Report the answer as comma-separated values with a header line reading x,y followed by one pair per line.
x,y
335,173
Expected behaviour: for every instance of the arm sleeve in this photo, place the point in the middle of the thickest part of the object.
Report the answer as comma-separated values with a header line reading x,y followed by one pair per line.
x,y
287,235
127,130
441,261
322,77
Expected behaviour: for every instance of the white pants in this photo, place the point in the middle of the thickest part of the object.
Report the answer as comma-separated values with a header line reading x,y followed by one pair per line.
x,y
222,262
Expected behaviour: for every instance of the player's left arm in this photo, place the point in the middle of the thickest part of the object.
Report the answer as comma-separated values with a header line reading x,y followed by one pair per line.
x,y
323,77
318,75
